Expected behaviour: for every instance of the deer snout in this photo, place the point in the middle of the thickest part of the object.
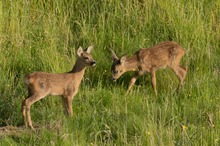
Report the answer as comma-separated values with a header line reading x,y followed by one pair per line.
x,y
114,79
93,63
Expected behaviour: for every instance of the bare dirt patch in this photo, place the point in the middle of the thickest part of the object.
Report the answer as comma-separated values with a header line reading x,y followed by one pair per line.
x,y
18,131
11,130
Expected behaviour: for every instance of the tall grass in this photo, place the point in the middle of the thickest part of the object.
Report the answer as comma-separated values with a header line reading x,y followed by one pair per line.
x,y
43,36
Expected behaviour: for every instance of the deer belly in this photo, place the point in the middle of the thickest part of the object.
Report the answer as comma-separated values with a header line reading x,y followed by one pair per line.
x,y
57,91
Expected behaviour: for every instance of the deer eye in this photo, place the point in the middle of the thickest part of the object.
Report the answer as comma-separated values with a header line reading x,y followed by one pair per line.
x,y
115,71
86,58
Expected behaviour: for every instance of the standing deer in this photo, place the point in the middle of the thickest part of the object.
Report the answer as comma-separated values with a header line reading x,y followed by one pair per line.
x,y
162,55
41,84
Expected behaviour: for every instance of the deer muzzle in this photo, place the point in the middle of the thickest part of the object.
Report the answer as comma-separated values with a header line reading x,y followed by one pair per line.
x,y
93,63
114,79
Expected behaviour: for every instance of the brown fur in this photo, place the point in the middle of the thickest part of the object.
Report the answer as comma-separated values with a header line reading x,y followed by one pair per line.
x,y
41,84
162,55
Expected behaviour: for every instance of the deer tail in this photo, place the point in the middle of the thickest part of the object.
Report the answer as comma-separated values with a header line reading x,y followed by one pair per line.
x,y
27,79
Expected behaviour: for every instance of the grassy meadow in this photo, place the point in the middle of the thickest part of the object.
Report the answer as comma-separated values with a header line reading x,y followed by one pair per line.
x,y
42,35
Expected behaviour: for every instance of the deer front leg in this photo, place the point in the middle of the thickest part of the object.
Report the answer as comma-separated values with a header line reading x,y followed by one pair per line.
x,y
132,81
64,104
153,79
69,106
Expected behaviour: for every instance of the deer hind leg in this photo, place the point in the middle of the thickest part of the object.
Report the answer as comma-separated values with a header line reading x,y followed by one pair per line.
x,y
132,81
26,107
154,82
180,73
24,113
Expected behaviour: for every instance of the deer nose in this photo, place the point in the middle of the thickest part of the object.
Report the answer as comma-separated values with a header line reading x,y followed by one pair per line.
x,y
93,63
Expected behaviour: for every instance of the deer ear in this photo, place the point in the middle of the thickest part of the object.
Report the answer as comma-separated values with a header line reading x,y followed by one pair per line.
x,y
79,51
89,49
114,57
122,60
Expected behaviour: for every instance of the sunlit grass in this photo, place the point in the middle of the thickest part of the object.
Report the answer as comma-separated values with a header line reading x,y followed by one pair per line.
x,y
43,36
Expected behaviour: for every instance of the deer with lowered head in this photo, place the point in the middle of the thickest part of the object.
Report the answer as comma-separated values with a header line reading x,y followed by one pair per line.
x,y
163,55
41,84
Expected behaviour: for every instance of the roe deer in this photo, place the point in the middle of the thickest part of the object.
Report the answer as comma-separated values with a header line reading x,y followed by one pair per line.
x,y
162,55
41,84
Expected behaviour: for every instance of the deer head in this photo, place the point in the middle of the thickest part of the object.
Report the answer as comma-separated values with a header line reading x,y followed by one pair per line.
x,y
85,57
118,67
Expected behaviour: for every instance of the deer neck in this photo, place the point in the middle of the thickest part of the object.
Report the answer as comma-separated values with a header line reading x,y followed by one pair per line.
x,y
78,70
131,64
